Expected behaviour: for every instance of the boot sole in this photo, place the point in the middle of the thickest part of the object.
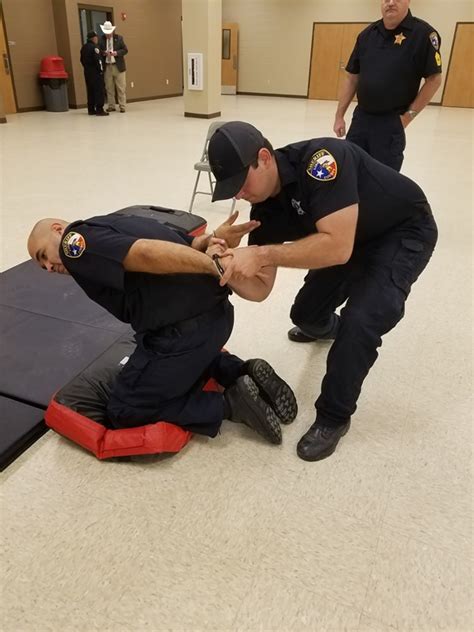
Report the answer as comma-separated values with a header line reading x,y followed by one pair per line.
x,y
263,418
275,391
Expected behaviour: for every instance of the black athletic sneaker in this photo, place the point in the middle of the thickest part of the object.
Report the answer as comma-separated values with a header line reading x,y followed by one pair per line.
x,y
247,407
273,389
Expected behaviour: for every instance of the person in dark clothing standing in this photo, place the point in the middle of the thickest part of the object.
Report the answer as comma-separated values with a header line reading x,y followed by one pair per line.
x,y
364,232
94,75
385,69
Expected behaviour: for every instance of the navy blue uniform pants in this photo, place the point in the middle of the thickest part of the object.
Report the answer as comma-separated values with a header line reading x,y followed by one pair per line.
x,y
95,90
376,283
163,378
381,135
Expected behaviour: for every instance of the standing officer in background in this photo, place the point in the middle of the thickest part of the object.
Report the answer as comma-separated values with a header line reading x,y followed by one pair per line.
x,y
364,231
94,75
390,58
113,50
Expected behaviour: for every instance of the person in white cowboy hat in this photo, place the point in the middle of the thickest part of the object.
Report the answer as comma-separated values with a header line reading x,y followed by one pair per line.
x,y
114,49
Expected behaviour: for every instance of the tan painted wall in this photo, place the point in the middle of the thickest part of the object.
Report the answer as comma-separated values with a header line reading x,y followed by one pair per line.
x,y
275,35
31,35
152,33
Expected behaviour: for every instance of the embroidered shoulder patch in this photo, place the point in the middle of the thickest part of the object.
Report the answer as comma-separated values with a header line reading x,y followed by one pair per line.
x,y
434,40
74,245
322,166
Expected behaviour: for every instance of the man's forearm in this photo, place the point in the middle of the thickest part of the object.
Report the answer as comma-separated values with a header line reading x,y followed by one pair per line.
x,y
348,91
257,288
313,252
164,257
427,92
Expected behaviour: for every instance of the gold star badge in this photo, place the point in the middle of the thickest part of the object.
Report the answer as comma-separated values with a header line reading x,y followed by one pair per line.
x,y
399,39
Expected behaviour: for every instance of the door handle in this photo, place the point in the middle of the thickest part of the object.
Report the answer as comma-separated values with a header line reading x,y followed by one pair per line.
x,y
234,62
341,65
6,63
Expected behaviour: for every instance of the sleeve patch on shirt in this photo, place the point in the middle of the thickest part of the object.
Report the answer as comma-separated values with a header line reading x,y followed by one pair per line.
x,y
322,166
74,245
438,59
434,40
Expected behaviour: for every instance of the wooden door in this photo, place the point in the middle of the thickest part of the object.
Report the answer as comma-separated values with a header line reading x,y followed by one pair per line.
x,y
6,83
230,57
458,91
325,59
332,47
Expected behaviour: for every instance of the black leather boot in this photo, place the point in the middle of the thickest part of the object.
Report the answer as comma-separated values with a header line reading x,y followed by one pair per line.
x,y
320,441
273,389
246,406
308,334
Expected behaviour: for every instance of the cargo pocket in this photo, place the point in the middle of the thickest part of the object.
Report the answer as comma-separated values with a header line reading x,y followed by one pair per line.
x,y
397,146
134,369
408,263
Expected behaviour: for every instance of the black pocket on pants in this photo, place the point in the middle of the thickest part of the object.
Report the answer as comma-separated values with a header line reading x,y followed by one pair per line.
x,y
398,143
408,263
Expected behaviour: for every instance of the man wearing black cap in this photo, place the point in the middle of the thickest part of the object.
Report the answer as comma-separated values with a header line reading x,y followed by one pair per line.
x,y
94,75
364,231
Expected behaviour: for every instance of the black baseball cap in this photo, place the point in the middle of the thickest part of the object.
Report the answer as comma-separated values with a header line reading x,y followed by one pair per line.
x,y
232,149
91,34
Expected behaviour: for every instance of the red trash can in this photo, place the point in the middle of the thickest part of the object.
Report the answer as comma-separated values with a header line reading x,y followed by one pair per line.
x,y
53,79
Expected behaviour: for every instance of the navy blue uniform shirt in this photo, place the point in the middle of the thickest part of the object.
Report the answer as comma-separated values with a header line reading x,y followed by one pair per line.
x,y
324,175
391,64
93,251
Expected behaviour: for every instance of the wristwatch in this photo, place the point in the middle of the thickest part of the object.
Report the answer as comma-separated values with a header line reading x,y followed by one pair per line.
x,y
411,113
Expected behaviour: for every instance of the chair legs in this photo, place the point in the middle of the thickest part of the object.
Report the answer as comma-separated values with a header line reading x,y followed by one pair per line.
x,y
194,192
211,184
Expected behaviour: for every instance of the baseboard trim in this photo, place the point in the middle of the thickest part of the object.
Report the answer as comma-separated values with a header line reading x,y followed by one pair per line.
x,y
202,116
80,106
269,94
36,108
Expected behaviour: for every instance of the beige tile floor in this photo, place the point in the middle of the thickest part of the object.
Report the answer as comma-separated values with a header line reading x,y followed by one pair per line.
x,y
234,534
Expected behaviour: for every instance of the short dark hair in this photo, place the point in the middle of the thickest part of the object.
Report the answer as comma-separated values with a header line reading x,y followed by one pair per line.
x,y
266,145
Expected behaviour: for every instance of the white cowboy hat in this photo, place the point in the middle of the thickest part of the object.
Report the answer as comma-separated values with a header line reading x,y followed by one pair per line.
x,y
107,27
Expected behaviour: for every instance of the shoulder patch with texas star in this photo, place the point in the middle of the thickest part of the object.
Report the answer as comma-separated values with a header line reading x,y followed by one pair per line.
x,y
322,166
73,244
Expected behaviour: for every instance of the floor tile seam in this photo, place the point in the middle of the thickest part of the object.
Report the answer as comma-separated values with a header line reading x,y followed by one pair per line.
x,y
420,541
332,508
297,583
65,320
385,623
371,575
413,472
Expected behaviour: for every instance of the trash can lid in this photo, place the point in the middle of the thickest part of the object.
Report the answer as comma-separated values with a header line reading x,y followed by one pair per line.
x,y
52,67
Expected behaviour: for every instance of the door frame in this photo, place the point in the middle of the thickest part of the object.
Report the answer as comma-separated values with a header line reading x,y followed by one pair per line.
x,y
3,26
94,7
450,59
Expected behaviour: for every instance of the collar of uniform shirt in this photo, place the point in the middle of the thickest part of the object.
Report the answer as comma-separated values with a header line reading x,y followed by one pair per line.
x,y
406,23
286,171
